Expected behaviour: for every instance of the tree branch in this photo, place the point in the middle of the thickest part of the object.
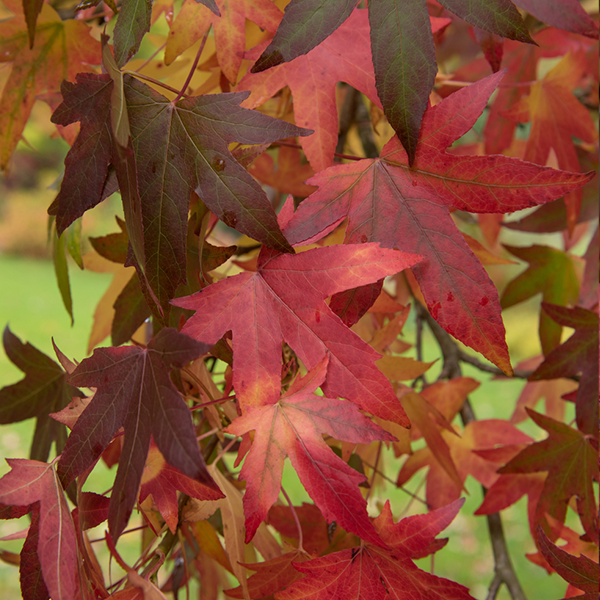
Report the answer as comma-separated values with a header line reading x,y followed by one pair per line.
x,y
504,571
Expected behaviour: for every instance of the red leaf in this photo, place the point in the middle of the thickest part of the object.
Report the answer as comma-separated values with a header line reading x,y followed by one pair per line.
x,y
293,427
581,572
370,572
30,481
284,301
163,481
571,462
134,391
458,292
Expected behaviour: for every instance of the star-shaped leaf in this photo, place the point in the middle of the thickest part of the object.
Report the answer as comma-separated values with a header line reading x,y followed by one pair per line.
x,y
134,391
283,300
408,208
293,427
179,147
370,572
572,464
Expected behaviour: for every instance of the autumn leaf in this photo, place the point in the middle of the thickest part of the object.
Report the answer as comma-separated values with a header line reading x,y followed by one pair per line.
x,y
579,354
370,571
43,390
30,481
344,56
571,462
402,47
193,20
554,274
556,117
133,22
478,435
62,49
179,148
264,308
580,572
566,14
459,294
293,427
134,391
163,481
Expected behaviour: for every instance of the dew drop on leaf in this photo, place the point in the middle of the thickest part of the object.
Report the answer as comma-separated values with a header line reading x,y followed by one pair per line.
x,y
218,164
484,301
364,239
450,297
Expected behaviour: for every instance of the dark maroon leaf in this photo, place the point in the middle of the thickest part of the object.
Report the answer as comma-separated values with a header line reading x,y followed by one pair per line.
x,y
131,310
31,10
305,24
43,391
30,569
114,245
134,391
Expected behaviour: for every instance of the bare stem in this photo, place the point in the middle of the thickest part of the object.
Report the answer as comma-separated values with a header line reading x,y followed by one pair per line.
x,y
374,470
293,145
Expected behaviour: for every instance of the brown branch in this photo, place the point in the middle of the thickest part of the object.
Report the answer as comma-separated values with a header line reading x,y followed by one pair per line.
x,y
354,111
504,570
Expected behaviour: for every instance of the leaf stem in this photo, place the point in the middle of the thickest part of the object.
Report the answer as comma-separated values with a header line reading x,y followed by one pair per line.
x,y
296,520
193,69
293,145
154,81
145,63
374,471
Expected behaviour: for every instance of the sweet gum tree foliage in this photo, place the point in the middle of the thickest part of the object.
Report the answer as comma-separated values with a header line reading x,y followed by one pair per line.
x,y
285,343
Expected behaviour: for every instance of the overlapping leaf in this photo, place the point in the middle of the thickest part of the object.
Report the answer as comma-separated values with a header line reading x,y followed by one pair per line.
x,y
579,354
62,49
193,20
572,465
179,148
134,392
564,14
556,117
552,273
386,201
579,571
344,56
402,46
370,572
284,301
293,427
43,390
28,482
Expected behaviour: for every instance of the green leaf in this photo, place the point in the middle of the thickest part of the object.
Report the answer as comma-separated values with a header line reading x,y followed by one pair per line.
x,y
305,24
405,66
73,234
496,16
62,272
133,22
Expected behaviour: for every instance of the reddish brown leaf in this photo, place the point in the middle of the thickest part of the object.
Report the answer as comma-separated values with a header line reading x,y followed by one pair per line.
x,y
580,572
459,293
566,14
370,572
284,301
30,570
134,391
30,481
293,427
571,462
163,481
579,354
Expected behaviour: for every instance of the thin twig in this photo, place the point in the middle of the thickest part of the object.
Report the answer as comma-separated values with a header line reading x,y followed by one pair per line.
x,y
146,62
504,570
384,476
374,470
